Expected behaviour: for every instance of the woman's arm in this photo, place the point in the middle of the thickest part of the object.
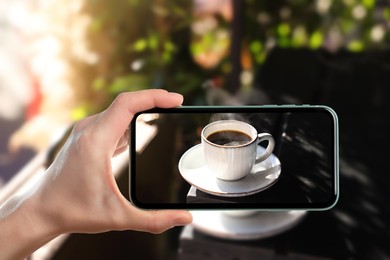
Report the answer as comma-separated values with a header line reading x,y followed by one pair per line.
x,y
78,192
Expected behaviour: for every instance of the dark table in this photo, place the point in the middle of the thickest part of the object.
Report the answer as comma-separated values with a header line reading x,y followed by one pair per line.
x,y
301,148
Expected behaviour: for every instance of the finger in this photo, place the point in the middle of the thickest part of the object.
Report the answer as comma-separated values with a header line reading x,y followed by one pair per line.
x,y
159,221
123,143
115,120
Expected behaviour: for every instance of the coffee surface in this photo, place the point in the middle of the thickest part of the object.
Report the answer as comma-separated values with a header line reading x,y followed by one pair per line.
x,y
229,138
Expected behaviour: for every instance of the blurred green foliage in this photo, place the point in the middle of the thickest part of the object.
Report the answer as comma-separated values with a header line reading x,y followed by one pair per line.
x,y
148,45
152,43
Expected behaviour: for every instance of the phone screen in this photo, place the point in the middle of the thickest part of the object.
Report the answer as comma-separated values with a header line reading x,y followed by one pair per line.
x,y
279,157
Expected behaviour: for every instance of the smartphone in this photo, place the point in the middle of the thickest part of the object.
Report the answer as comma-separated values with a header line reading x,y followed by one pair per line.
x,y
275,157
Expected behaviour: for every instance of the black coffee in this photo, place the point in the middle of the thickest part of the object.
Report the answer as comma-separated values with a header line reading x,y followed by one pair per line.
x,y
229,138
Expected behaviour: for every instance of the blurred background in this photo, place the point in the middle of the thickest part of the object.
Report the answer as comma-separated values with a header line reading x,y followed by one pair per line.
x,y
63,60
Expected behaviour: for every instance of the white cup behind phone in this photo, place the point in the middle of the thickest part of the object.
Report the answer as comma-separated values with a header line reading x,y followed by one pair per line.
x,y
230,148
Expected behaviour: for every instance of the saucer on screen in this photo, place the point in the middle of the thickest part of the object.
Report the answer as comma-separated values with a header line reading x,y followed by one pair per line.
x,y
256,226
263,175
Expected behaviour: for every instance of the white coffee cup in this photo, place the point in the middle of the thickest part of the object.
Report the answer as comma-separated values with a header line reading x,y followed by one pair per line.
x,y
233,160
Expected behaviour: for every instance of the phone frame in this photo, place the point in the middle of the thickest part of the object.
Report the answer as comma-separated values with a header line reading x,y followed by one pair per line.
x,y
230,206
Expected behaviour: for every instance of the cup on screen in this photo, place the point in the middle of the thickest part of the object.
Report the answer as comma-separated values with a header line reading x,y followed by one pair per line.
x,y
230,148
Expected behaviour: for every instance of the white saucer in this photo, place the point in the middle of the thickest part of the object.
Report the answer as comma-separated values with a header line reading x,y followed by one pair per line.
x,y
260,225
194,171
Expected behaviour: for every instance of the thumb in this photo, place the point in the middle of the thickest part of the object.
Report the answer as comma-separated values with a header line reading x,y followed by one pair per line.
x,y
161,220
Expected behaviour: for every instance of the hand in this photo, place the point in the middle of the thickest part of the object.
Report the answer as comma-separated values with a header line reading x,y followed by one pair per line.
x,y
78,192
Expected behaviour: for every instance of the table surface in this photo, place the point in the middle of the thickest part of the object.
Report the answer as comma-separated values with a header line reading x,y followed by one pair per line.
x,y
299,148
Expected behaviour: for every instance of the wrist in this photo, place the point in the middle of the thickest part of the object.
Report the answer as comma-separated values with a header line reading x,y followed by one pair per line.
x,y
25,225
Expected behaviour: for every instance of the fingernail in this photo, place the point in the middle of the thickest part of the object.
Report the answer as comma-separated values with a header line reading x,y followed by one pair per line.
x,y
177,96
182,221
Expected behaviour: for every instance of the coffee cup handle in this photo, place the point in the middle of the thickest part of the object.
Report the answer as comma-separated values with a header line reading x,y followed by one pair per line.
x,y
271,144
